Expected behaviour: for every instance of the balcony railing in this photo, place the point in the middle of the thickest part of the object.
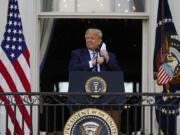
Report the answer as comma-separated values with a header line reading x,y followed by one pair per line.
x,y
133,113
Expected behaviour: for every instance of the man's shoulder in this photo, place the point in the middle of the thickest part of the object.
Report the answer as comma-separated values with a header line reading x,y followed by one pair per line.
x,y
80,50
111,53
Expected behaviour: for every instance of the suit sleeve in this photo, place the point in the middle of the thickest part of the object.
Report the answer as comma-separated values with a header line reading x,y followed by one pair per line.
x,y
113,63
76,63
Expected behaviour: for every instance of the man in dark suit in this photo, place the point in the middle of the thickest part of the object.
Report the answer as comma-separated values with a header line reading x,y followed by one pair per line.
x,y
83,59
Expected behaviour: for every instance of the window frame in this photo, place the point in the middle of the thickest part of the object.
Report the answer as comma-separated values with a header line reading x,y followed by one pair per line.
x,y
146,48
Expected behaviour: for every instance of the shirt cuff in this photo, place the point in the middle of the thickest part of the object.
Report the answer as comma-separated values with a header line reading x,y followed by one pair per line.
x,y
90,64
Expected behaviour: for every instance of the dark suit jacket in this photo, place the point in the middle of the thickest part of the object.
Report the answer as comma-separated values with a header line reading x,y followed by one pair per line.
x,y
80,61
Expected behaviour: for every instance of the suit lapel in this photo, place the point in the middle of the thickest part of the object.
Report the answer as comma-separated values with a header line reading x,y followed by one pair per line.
x,y
86,55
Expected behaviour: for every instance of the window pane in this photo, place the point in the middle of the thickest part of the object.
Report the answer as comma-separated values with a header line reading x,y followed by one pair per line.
x,y
67,6
92,6
126,6
49,5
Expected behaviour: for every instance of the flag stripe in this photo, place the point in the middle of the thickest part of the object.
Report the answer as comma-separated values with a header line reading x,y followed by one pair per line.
x,y
19,116
12,86
22,76
164,79
9,132
12,73
5,119
161,73
25,66
26,55
164,75
11,113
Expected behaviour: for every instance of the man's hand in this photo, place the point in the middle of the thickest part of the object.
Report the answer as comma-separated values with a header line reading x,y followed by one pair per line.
x,y
105,55
100,60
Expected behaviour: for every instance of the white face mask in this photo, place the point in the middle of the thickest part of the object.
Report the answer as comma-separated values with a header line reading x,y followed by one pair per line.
x,y
103,47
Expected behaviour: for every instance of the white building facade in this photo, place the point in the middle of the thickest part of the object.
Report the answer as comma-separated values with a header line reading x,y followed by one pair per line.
x,y
32,15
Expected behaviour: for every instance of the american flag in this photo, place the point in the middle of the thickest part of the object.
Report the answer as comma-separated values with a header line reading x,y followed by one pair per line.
x,y
15,72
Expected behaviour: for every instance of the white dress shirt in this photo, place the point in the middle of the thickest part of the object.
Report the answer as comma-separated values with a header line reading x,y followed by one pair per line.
x,y
90,62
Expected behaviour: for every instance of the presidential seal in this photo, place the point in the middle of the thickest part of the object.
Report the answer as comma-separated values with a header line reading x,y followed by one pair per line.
x,y
95,86
90,121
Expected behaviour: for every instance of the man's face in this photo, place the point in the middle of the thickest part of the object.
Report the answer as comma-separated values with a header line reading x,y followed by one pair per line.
x,y
92,40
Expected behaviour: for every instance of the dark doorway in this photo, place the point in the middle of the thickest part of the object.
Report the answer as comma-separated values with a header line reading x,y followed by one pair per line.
x,y
122,36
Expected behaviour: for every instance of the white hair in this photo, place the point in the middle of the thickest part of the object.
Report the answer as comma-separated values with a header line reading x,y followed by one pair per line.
x,y
95,30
